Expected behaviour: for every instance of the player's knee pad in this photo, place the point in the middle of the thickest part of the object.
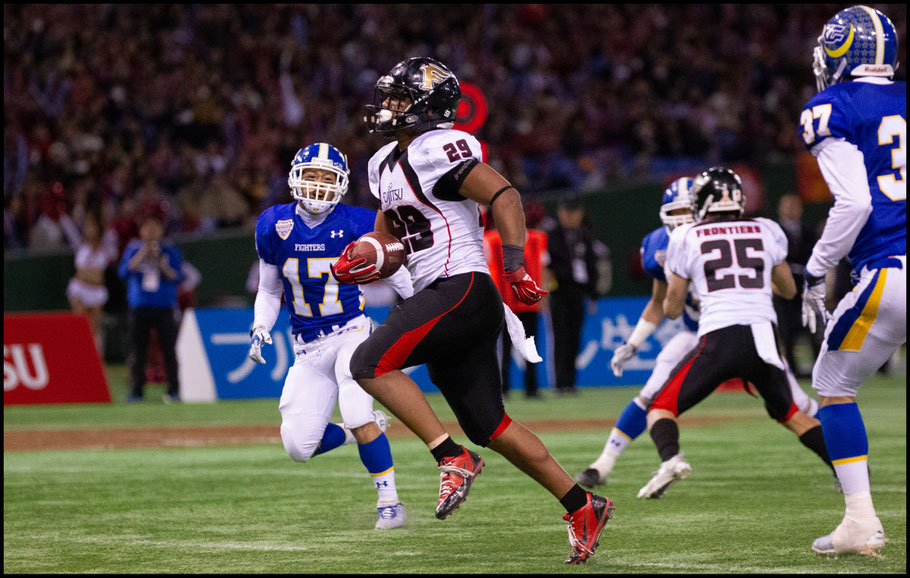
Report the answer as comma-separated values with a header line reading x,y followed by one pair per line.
x,y
830,379
355,404
300,443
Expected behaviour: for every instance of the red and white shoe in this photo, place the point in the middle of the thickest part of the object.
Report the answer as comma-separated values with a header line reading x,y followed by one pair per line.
x,y
455,478
585,526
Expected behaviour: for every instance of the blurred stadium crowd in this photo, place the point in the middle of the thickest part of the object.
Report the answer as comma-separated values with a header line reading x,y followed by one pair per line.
x,y
198,109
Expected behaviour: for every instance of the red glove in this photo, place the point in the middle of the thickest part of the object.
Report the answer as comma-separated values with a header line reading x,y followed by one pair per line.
x,y
525,289
353,272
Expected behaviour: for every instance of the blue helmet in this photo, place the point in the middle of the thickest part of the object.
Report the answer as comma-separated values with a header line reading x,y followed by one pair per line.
x,y
318,197
677,196
857,41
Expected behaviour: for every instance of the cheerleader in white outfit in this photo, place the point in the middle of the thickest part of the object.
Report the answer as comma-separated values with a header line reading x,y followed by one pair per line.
x,y
86,291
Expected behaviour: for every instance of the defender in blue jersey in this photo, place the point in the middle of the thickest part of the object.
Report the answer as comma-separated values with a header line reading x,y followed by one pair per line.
x,y
297,243
857,130
675,210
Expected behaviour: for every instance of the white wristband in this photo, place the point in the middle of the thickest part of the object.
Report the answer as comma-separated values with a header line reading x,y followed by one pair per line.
x,y
643,330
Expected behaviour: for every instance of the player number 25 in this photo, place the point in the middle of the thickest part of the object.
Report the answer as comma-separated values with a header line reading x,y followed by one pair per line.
x,y
725,259
891,127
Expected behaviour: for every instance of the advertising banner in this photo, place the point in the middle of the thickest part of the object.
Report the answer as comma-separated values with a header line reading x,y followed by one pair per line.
x,y
213,344
603,331
212,353
51,358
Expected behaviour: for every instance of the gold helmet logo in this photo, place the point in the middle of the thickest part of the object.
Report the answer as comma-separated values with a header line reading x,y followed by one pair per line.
x,y
433,75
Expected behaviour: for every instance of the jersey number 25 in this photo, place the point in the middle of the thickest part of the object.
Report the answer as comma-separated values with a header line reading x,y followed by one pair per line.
x,y
757,264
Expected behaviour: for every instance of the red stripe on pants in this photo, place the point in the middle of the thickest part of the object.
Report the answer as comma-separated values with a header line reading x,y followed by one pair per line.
x,y
669,395
506,420
793,409
395,357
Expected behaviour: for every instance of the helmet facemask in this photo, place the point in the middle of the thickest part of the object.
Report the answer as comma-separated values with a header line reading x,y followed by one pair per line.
x,y
673,221
677,196
315,195
823,76
419,94
392,109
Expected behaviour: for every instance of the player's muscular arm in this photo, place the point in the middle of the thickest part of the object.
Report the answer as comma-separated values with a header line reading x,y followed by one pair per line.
x,y
484,185
675,301
654,310
383,225
782,282
650,318
481,184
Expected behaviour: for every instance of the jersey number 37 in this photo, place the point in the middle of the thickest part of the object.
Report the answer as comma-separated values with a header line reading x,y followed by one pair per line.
x,y
892,133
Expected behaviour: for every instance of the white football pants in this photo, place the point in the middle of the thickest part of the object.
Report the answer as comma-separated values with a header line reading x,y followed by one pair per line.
x,y
320,376
868,326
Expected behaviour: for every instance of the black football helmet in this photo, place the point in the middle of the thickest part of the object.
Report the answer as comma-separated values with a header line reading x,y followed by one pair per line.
x,y
431,89
717,190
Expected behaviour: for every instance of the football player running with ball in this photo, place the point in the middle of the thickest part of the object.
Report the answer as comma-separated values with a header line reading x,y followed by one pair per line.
x,y
675,210
733,265
857,131
297,243
430,182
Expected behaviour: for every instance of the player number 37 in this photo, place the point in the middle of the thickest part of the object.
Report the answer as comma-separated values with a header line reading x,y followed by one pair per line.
x,y
892,133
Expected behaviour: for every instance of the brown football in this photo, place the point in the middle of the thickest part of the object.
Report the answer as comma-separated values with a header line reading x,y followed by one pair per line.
x,y
380,249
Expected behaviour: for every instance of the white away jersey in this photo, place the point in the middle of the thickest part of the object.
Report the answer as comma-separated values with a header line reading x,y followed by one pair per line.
x,y
729,265
418,192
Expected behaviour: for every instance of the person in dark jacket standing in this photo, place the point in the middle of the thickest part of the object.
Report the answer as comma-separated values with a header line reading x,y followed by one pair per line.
x,y
800,239
151,269
572,262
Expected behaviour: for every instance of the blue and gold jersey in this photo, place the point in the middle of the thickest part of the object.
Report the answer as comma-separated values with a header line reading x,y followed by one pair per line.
x,y
653,257
873,117
303,255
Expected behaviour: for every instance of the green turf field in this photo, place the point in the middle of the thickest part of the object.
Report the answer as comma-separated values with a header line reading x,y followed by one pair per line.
x,y
754,502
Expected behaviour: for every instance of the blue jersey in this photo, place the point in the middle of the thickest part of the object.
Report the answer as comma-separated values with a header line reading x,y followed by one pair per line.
x,y
653,257
873,117
303,255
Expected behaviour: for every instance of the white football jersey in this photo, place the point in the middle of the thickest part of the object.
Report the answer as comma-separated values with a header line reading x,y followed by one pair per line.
x,y
442,231
729,266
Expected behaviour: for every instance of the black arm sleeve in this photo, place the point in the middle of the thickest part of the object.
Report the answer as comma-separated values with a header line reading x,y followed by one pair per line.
x,y
448,185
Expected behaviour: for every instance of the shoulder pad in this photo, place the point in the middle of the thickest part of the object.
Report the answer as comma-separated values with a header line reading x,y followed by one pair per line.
x,y
444,149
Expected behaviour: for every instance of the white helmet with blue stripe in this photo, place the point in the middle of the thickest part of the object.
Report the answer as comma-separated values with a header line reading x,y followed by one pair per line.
x,y
315,196
677,196
857,41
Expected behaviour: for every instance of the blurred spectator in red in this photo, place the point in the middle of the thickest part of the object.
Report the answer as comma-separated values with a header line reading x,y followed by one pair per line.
x,y
529,315
54,227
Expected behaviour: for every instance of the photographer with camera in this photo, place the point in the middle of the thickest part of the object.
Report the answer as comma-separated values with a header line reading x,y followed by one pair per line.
x,y
151,269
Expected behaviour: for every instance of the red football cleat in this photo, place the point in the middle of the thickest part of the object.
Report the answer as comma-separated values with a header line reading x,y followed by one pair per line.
x,y
585,526
455,481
